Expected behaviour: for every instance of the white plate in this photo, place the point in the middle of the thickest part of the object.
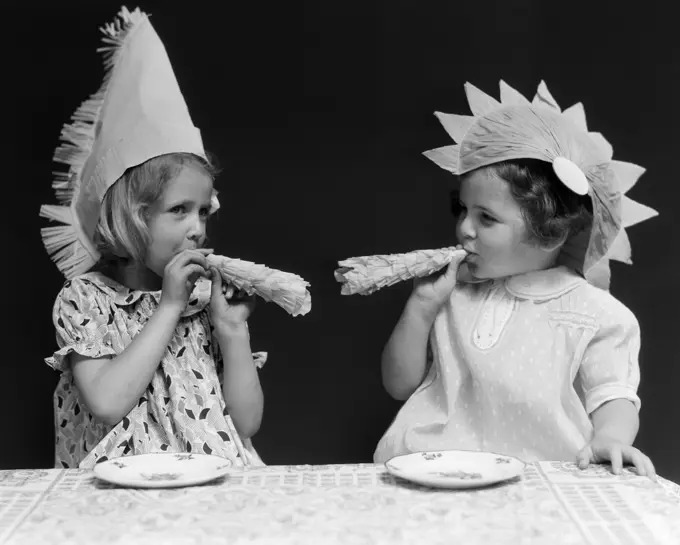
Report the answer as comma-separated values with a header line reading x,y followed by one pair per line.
x,y
162,469
455,468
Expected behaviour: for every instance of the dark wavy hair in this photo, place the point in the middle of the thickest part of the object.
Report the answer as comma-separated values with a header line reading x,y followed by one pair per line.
x,y
552,211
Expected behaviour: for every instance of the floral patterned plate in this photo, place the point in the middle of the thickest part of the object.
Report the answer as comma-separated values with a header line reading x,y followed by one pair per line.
x,y
162,470
455,468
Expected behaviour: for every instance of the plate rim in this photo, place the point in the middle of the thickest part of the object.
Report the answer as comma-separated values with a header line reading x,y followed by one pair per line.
x,y
134,483
458,484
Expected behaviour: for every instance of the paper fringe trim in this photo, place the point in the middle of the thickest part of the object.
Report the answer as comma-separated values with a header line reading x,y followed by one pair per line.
x,y
287,290
67,245
367,274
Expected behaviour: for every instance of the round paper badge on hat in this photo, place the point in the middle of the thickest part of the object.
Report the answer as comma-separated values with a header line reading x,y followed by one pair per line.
x,y
571,175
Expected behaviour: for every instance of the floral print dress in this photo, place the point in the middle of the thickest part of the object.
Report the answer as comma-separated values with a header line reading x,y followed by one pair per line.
x,y
183,408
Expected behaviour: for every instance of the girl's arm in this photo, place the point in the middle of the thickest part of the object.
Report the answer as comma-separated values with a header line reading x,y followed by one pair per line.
x,y
111,387
240,382
404,358
617,420
615,425
610,375
243,395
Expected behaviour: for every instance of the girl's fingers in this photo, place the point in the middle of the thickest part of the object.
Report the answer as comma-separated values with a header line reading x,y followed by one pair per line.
x,y
618,456
651,470
216,278
458,259
637,459
193,271
190,256
616,459
198,256
243,297
453,269
237,296
186,257
451,274
643,465
173,262
584,458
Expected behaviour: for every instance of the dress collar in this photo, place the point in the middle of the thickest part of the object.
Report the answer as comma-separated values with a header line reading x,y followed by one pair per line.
x,y
124,296
543,285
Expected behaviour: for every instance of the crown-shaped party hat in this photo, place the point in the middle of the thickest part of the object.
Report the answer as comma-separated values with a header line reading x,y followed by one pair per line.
x,y
137,114
516,128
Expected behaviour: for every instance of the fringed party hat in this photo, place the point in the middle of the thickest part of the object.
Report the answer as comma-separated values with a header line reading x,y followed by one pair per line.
x,y
137,114
516,128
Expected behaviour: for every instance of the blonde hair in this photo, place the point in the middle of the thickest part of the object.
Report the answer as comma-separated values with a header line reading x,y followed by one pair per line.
x,y
122,233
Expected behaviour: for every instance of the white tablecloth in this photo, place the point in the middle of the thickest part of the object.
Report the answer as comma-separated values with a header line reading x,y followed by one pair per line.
x,y
554,503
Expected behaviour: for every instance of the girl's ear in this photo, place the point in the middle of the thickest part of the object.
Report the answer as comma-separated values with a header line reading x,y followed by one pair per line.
x,y
555,244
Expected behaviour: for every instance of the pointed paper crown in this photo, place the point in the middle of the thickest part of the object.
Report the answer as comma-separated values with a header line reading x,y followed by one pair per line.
x,y
516,128
137,114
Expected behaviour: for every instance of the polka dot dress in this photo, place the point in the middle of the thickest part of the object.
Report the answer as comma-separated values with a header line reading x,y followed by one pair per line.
x,y
518,366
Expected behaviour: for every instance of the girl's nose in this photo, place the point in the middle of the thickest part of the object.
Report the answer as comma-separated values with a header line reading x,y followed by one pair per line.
x,y
197,229
465,228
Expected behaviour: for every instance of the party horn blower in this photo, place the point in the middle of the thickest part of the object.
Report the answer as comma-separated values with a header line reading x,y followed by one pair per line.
x,y
287,290
367,274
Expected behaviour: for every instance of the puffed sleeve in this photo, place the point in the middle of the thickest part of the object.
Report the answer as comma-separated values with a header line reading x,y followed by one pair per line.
x,y
83,321
610,368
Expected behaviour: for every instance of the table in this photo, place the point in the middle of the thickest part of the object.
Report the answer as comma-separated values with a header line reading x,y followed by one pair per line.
x,y
554,503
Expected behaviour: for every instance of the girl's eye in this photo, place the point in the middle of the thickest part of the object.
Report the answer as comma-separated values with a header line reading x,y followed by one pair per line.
x,y
487,219
179,209
204,212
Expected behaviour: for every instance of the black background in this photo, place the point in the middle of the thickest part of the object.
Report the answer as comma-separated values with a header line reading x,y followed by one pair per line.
x,y
318,113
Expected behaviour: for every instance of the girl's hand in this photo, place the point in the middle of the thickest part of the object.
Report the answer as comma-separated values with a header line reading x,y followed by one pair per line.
x,y
604,449
229,308
180,275
431,292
